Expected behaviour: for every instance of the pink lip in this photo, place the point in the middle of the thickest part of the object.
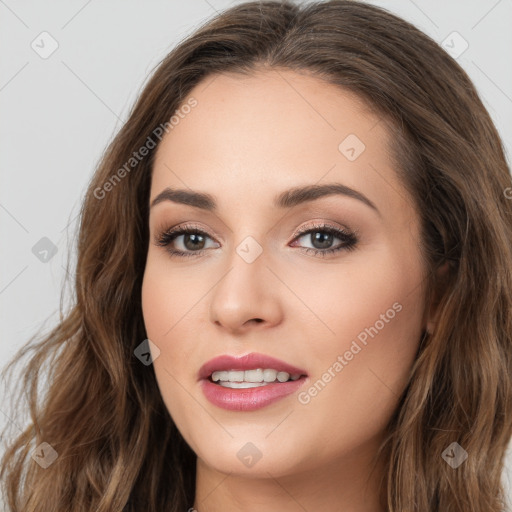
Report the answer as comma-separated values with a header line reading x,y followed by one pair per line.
x,y
248,399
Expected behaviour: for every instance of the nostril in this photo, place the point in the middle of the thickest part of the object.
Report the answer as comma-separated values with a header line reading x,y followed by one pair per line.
x,y
257,320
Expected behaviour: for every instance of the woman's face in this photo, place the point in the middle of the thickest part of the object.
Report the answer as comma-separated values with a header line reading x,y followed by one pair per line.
x,y
348,318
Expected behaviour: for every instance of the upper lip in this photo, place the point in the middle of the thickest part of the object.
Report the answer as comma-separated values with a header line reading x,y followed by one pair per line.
x,y
247,362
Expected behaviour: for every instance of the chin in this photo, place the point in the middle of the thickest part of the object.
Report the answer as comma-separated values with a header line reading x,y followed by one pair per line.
x,y
257,458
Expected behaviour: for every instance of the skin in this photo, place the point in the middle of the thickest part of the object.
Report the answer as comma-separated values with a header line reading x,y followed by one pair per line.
x,y
248,139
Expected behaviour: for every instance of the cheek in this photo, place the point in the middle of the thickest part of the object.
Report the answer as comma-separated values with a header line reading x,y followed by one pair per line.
x,y
161,312
373,311
162,309
153,306
375,293
167,296
168,299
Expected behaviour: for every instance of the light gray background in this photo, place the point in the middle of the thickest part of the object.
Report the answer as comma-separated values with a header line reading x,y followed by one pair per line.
x,y
59,113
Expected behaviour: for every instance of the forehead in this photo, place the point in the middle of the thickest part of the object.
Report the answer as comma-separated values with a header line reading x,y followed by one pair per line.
x,y
274,130
270,113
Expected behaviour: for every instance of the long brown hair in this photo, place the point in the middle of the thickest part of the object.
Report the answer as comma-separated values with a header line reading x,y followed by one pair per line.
x,y
117,446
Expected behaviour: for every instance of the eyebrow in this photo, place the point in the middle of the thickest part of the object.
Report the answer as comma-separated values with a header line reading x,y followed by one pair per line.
x,y
286,199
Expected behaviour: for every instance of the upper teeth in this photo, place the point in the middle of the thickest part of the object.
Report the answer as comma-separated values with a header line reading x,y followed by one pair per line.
x,y
258,375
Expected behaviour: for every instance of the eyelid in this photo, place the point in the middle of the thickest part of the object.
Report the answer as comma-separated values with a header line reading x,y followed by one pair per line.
x,y
315,224
319,224
164,229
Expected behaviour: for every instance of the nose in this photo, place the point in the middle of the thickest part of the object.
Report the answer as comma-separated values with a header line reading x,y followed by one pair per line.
x,y
246,297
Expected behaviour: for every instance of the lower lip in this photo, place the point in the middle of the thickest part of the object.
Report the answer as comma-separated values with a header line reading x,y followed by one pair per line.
x,y
248,399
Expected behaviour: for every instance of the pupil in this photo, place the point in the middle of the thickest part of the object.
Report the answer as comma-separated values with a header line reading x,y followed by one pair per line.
x,y
193,237
324,239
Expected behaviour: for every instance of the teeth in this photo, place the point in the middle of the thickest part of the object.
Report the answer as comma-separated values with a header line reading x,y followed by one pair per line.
x,y
235,376
243,384
283,376
253,375
269,375
251,378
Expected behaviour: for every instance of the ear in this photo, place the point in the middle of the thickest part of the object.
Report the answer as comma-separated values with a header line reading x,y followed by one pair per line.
x,y
431,310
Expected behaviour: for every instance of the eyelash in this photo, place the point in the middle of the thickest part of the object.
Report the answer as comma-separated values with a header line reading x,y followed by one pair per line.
x,y
350,239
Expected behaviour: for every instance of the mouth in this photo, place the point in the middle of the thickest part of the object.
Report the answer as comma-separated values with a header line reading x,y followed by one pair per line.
x,y
252,368
249,382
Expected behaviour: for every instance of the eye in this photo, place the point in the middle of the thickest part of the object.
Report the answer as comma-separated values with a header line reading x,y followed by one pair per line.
x,y
321,236
193,240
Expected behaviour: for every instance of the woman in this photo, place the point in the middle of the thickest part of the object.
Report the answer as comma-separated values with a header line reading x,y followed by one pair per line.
x,y
293,287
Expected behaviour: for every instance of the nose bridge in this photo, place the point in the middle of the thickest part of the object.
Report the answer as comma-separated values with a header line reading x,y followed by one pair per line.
x,y
246,268
245,293
250,250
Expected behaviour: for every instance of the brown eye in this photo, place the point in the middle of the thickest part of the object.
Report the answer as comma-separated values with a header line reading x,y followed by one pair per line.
x,y
192,243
